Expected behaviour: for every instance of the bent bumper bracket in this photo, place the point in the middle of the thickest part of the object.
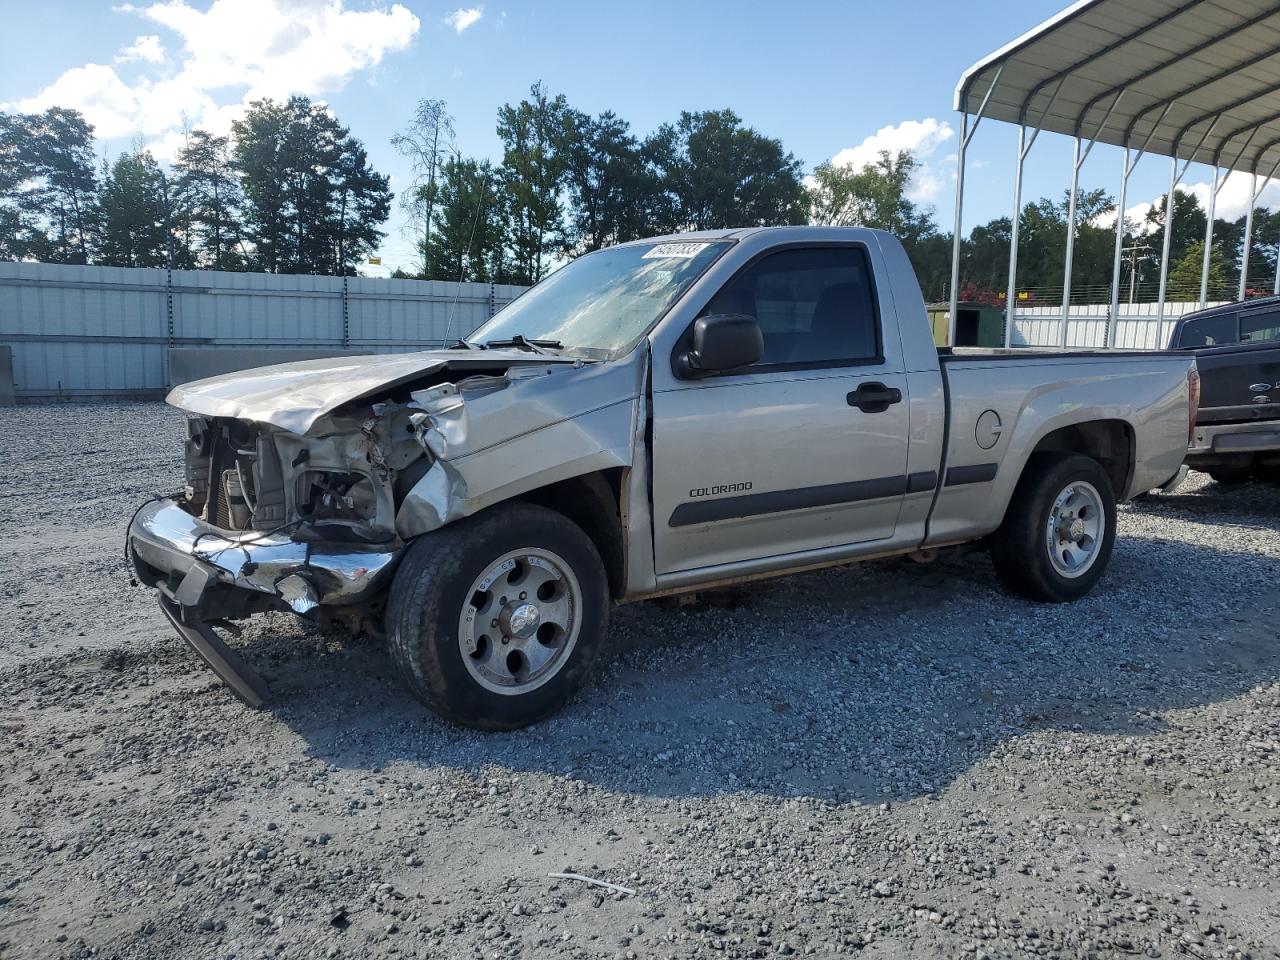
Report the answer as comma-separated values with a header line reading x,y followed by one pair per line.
x,y
243,680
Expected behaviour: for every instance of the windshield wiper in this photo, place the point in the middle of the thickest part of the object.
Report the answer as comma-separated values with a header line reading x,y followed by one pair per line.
x,y
461,344
533,346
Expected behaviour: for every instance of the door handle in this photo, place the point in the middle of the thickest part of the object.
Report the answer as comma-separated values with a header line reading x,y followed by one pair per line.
x,y
874,397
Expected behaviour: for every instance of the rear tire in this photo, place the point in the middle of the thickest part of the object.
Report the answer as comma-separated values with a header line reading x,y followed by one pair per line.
x,y
1059,529
495,621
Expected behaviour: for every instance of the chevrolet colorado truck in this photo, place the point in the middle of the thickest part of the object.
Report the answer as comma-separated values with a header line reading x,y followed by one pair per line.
x,y
653,418
1237,350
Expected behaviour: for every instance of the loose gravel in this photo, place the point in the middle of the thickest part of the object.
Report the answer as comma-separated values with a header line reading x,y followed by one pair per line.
x,y
886,760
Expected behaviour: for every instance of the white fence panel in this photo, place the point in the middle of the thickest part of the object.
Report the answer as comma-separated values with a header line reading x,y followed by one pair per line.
x,y
104,331
1138,326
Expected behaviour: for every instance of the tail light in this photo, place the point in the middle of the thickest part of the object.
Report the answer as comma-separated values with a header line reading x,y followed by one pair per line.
x,y
1193,401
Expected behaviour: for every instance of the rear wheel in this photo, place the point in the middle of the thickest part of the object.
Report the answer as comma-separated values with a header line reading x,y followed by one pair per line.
x,y
495,621
1059,529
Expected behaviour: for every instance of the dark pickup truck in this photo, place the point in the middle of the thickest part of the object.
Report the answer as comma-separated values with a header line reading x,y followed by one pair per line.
x,y
1237,348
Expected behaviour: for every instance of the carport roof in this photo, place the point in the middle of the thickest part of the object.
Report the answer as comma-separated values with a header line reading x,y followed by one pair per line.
x,y
1195,78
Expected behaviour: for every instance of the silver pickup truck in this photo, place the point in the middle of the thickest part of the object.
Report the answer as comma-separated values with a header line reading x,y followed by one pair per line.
x,y
654,418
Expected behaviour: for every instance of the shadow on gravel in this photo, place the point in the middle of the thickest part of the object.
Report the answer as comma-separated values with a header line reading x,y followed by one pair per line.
x,y
877,682
1255,504
874,682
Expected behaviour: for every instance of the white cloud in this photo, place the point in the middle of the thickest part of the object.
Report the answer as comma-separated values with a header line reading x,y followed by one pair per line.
x,y
461,18
148,49
1233,200
233,52
920,137
1232,203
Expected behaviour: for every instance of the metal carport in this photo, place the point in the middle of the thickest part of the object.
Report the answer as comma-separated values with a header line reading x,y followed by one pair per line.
x,y
1192,80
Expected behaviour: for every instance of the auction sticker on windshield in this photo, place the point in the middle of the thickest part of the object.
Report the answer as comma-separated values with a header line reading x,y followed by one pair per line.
x,y
682,250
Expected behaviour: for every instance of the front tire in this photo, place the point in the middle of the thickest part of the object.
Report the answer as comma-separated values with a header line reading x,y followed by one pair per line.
x,y
1059,529
495,621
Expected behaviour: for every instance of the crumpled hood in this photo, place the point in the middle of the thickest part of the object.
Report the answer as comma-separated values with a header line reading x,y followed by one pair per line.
x,y
293,396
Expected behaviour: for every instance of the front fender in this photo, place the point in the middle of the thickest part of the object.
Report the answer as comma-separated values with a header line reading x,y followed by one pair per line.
x,y
498,439
452,489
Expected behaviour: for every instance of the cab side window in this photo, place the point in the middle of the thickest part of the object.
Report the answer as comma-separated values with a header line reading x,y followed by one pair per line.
x,y
1259,327
1209,331
815,306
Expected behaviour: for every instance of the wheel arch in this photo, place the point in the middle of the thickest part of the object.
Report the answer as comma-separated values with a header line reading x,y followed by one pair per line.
x,y
593,502
1111,442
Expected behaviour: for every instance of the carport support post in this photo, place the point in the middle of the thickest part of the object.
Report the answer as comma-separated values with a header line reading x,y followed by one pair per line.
x,y
1248,230
1168,235
1275,284
1208,239
966,134
955,236
1011,296
1113,315
1071,241
1248,235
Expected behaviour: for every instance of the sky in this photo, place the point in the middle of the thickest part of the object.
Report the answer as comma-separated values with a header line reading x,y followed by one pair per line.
x,y
833,79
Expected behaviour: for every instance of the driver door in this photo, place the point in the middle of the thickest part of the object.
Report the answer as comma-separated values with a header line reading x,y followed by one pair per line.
x,y
805,449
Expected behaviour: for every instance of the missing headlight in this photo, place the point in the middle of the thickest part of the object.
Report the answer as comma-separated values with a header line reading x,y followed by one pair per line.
x,y
331,495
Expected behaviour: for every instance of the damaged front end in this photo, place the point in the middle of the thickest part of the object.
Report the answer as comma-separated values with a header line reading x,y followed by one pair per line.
x,y
270,520
304,486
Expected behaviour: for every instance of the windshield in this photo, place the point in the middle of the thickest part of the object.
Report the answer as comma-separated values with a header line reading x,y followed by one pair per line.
x,y
603,301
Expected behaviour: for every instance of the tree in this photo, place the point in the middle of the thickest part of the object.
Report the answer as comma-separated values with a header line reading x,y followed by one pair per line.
x,y
211,197
312,203
534,135
1189,221
718,174
613,189
931,258
1184,275
1042,248
19,234
361,201
1262,256
1095,245
134,209
259,158
984,256
874,196
52,188
426,142
467,240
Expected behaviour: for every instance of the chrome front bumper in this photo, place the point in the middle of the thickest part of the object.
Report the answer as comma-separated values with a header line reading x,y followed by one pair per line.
x,y
205,576
177,546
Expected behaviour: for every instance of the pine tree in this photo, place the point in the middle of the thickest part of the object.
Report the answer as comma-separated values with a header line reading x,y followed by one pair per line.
x,y
534,162
134,211
312,203
467,236
210,195
47,167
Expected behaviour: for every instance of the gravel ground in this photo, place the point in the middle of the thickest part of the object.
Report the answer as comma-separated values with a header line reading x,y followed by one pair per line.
x,y
888,760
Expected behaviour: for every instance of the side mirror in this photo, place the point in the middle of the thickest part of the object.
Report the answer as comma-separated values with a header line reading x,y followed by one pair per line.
x,y
722,342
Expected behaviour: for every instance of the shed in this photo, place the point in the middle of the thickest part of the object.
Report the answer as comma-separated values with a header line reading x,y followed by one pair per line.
x,y
977,324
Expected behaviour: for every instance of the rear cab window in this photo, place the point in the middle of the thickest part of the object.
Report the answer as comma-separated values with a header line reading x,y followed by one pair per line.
x,y
1211,331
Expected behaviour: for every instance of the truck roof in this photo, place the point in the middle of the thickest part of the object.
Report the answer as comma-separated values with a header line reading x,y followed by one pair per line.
x,y
799,231
1230,308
